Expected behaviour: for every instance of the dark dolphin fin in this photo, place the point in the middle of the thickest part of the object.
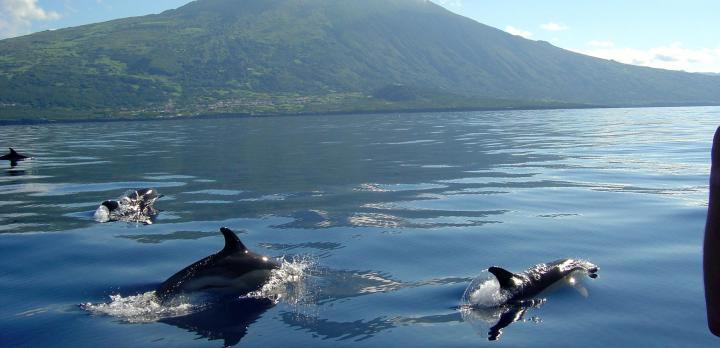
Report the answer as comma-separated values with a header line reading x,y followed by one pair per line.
x,y
111,205
13,156
503,276
232,242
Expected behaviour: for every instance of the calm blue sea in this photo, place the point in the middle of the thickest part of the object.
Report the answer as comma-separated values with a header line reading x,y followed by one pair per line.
x,y
387,219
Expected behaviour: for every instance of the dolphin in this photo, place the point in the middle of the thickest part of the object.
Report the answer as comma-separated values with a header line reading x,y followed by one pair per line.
x,y
135,206
233,269
13,157
143,198
519,287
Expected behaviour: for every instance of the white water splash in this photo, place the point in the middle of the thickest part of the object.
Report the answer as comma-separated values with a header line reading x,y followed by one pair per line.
x,y
484,292
102,214
142,308
575,263
132,207
289,284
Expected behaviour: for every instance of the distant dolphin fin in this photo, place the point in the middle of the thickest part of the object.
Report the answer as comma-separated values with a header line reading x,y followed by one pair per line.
x,y
12,152
504,277
232,242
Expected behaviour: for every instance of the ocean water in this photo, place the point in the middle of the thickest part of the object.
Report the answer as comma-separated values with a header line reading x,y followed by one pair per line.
x,y
382,221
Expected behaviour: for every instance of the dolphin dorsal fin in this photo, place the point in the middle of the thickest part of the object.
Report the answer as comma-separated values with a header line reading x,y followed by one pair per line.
x,y
504,277
12,152
232,242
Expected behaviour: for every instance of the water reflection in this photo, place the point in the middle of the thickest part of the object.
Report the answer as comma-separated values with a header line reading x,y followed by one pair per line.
x,y
322,246
389,216
498,318
19,168
310,219
15,172
227,321
164,237
14,163
357,330
337,285
488,322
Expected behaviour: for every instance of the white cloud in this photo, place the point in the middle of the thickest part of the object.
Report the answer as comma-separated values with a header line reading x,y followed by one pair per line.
x,y
519,32
672,57
600,43
552,26
16,16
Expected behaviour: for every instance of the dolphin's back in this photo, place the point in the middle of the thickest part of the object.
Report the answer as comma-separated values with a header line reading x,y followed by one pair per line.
x,y
232,267
533,281
175,283
13,156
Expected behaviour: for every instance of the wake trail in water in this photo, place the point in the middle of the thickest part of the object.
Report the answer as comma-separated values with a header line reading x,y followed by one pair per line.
x,y
142,308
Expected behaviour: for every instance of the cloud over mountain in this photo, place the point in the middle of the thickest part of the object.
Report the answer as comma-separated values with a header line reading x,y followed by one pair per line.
x,y
16,16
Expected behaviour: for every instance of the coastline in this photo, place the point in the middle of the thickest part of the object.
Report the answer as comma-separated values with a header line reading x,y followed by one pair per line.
x,y
42,121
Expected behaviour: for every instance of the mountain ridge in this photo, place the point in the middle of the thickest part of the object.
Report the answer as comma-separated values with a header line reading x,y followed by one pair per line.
x,y
305,56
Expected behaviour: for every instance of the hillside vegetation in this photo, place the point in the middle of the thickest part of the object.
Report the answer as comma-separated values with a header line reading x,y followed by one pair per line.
x,y
304,56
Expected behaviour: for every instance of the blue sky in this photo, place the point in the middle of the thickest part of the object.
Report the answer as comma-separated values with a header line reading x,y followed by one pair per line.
x,y
679,35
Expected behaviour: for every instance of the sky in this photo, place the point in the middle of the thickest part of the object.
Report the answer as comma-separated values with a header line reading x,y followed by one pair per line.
x,y
677,34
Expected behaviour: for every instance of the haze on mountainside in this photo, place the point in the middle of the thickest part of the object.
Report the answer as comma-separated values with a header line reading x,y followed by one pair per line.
x,y
305,56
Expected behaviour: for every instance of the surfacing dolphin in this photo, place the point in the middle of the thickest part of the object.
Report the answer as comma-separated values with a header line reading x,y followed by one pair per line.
x,y
519,287
13,157
135,206
234,269
517,292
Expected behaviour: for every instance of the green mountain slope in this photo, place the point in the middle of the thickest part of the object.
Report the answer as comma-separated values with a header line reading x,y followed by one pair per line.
x,y
290,56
